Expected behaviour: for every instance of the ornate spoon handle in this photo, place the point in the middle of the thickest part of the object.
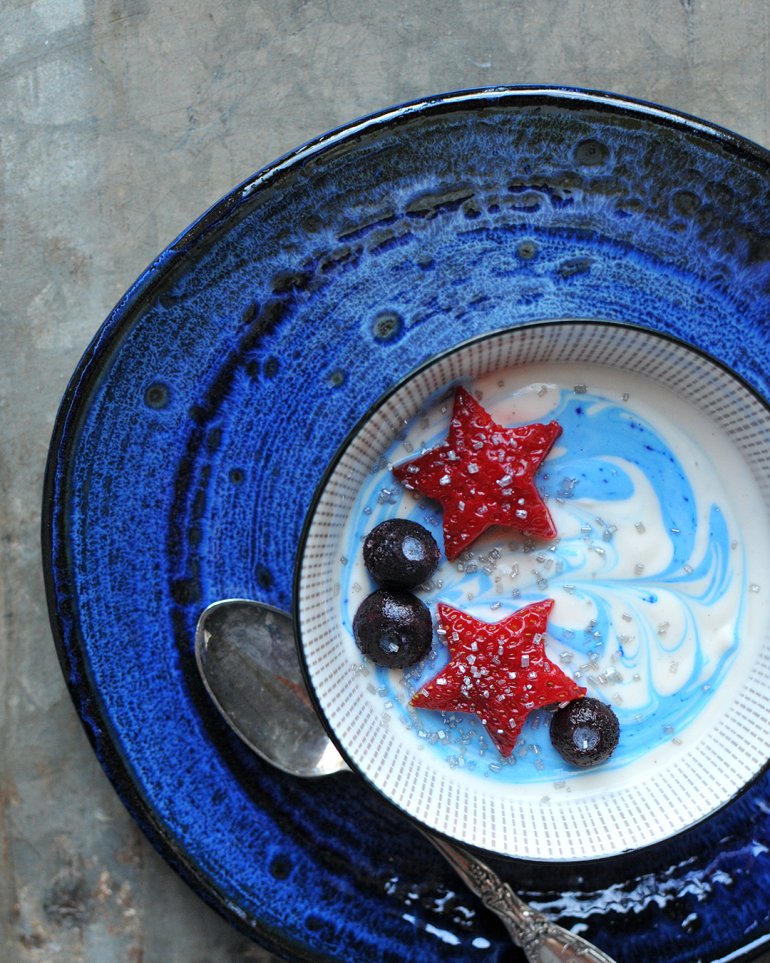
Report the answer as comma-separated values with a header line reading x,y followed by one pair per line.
x,y
542,940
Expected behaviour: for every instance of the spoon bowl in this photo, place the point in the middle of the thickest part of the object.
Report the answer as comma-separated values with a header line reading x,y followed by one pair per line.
x,y
247,661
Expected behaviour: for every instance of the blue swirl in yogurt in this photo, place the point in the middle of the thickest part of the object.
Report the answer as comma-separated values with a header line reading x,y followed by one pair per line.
x,y
648,572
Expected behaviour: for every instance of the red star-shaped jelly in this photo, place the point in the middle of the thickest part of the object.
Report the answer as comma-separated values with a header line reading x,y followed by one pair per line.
x,y
498,670
483,475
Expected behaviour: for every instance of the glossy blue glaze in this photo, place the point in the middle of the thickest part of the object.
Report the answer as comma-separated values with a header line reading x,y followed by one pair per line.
x,y
193,433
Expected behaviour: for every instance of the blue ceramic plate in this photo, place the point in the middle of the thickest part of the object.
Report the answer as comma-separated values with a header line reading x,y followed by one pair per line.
x,y
202,416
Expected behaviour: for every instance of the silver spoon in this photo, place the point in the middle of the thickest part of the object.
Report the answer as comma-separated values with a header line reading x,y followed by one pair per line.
x,y
248,662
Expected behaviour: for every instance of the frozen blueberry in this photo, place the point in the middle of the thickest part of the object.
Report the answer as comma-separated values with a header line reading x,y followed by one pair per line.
x,y
393,628
585,732
400,552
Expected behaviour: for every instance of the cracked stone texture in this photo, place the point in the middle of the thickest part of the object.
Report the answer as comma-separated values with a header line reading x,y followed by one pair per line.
x,y
120,122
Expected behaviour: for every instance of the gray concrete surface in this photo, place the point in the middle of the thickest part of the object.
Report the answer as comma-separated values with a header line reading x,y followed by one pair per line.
x,y
121,121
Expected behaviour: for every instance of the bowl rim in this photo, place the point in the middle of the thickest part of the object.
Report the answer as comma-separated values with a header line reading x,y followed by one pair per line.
x,y
320,490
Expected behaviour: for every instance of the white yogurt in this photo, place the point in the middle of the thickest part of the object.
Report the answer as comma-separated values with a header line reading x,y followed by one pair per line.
x,y
658,572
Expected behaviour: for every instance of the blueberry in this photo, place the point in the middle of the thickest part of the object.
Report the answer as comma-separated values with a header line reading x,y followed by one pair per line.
x,y
585,732
400,552
393,628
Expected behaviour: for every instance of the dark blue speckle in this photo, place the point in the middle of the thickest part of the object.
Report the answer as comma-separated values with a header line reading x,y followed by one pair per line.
x,y
388,327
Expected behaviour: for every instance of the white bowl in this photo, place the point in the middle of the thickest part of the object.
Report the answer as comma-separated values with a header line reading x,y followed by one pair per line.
x,y
660,490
